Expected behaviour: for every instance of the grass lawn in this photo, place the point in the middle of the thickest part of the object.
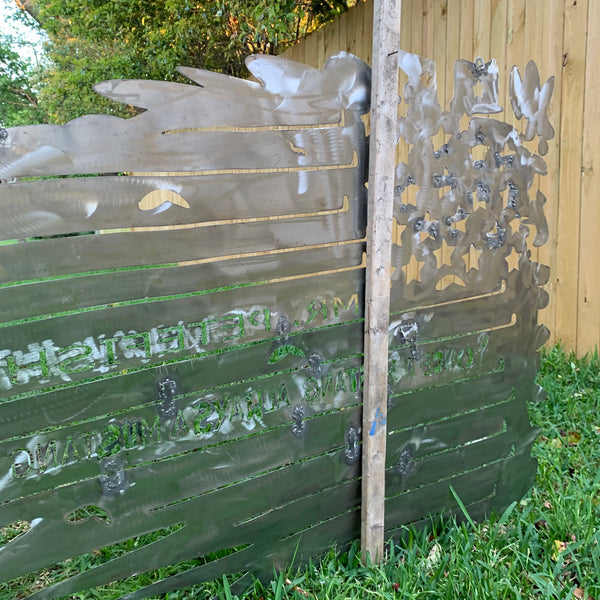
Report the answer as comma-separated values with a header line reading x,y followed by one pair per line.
x,y
546,546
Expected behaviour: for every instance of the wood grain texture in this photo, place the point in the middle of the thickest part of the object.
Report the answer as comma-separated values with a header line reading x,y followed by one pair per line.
x,y
588,330
332,40
571,131
384,97
551,65
467,32
482,23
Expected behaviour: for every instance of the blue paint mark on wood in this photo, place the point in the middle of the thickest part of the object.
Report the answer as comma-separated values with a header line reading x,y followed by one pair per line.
x,y
378,421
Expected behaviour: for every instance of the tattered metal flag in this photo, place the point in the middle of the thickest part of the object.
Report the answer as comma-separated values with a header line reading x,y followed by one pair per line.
x,y
181,305
466,293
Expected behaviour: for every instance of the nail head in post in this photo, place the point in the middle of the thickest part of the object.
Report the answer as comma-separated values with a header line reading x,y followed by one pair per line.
x,y
314,364
405,465
298,426
167,388
283,327
113,478
408,333
352,452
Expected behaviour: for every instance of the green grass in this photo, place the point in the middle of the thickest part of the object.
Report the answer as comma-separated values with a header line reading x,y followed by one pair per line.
x,y
546,546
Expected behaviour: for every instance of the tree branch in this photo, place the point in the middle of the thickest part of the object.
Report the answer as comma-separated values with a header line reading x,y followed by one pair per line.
x,y
30,7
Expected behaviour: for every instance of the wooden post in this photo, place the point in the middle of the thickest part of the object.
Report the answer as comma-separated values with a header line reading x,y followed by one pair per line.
x,y
382,152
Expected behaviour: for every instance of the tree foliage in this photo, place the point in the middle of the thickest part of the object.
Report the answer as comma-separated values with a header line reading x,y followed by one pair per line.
x,y
18,69
94,40
18,97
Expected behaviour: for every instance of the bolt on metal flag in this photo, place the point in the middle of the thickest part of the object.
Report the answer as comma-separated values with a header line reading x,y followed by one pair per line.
x,y
181,307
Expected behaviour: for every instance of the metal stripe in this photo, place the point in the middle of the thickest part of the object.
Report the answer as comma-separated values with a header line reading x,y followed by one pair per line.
x,y
203,418
203,154
119,391
58,206
444,434
128,337
53,296
83,254
220,466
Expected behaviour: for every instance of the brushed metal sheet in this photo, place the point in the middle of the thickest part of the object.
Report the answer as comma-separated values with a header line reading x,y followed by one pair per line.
x,y
60,257
254,447
60,206
90,344
49,296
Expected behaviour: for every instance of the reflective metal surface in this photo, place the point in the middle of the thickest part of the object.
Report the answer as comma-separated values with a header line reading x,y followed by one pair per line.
x,y
189,365
466,292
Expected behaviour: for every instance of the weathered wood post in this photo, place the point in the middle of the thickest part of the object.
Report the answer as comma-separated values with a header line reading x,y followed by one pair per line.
x,y
382,152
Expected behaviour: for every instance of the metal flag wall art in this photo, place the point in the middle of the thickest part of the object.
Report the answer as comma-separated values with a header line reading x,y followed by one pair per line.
x,y
181,307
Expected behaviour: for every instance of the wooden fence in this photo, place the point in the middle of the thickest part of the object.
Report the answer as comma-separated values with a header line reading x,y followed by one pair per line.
x,y
563,38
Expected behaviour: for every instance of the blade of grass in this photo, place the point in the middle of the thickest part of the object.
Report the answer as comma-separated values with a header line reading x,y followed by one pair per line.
x,y
462,507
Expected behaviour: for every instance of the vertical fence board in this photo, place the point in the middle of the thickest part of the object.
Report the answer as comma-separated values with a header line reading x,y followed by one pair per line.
x,y
310,56
498,33
416,17
532,38
482,30
571,127
533,34
368,32
427,27
514,47
589,243
351,24
466,29
320,43
364,34
343,33
331,37
452,45
405,27
551,65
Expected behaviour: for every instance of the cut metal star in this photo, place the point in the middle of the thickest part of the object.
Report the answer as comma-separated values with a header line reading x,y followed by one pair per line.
x,y
471,258
412,271
442,254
